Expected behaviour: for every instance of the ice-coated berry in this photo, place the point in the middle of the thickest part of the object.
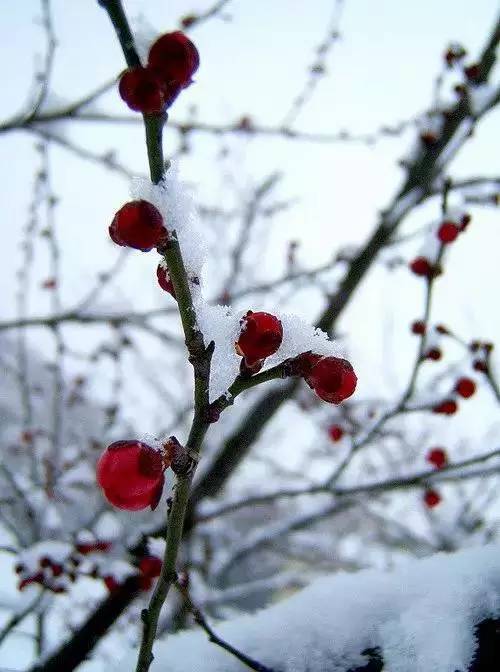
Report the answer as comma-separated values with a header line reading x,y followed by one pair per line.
x,y
131,475
332,378
437,457
174,58
138,224
465,387
164,280
432,498
335,432
143,90
261,335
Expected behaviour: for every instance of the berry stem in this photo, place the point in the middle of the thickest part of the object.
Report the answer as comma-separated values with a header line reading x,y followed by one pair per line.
x,y
199,356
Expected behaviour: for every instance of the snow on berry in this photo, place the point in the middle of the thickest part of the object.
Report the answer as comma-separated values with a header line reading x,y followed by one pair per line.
x,y
465,387
437,457
261,336
143,90
138,224
131,475
174,58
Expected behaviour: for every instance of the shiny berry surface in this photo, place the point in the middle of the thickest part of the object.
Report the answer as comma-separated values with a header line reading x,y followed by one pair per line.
x,y
174,58
164,280
448,232
143,90
131,475
138,224
333,379
261,336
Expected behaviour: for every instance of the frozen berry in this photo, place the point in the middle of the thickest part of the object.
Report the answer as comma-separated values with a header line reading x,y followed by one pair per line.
x,y
437,457
261,336
131,475
447,232
431,498
465,387
138,224
174,58
446,407
143,90
335,432
164,280
418,327
332,378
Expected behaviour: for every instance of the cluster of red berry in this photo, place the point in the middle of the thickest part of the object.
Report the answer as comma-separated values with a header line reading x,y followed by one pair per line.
x,y
173,59
447,232
438,458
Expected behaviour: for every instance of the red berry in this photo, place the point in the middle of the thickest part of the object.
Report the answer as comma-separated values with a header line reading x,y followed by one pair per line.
x,y
433,353
447,232
57,569
437,457
19,568
111,583
465,387
131,475
138,224
335,432
50,283
143,90
174,58
93,547
421,266
446,407
473,72
150,566
480,365
45,561
418,327
164,280
261,336
432,498
333,379
428,138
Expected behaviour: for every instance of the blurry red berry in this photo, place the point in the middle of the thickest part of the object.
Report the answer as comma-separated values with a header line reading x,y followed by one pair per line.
x,y
446,407
174,58
428,138
447,232
150,566
437,457
480,365
143,90
19,568
93,547
431,498
474,346
188,20
333,379
418,327
131,475
45,561
454,53
164,280
138,224
465,387
57,569
421,266
261,336
473,72
433,353
335,432
50,283
111,583
441,329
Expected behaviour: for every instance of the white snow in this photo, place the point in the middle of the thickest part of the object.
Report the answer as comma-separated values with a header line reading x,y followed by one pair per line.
x,y
421,615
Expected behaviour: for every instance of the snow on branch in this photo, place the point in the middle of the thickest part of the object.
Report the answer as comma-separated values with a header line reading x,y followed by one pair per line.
x,y
421,617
